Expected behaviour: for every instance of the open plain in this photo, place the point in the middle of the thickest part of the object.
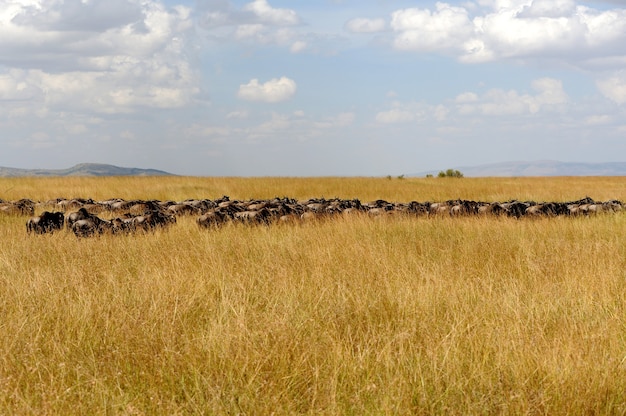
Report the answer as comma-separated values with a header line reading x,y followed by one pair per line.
x,y
354,314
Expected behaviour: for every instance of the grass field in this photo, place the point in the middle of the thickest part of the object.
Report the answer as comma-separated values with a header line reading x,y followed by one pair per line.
x,y
355,315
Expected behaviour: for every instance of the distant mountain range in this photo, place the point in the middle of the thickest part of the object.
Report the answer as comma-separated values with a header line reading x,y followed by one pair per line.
x,y
539,168
83,169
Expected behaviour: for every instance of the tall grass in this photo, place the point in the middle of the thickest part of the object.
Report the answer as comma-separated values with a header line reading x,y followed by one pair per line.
x,y
399,190
354,315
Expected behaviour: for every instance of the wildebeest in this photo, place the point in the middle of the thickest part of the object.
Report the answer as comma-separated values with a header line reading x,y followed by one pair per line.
x,y
72,217
261,216
21,207
439,208
183,209
91,226
515,208
212,218
491,208
463,207
546,209
138,215
46,222
612,205
152,220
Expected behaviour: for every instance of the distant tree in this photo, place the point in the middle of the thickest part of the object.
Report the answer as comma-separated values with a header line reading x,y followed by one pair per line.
x,y
450,173
429,175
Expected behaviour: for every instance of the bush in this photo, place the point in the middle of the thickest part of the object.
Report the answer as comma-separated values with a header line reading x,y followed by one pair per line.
x,y
450,173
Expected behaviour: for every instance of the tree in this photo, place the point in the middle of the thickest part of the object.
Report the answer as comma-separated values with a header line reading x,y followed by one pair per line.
x,y
450,173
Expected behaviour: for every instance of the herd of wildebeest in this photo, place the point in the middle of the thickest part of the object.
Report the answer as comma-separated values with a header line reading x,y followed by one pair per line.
x,y
86,217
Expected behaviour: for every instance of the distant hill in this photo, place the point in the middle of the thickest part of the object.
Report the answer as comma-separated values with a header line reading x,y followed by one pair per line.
x,y
83,169
539,168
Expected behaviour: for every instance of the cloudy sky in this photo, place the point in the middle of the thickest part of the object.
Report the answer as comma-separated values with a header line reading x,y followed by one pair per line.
x,y
310,88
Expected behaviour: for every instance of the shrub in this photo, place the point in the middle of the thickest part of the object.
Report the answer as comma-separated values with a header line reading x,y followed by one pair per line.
x,y
450,173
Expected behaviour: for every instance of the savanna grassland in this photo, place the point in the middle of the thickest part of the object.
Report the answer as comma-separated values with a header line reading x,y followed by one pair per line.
x,y
353,315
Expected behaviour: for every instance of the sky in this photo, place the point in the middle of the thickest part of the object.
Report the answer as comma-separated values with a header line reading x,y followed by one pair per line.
x,y
310,88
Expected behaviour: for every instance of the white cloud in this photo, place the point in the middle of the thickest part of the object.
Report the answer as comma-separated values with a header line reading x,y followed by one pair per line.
x,y
423,30
32,37
550,92
267,14
258,23
249,31
599,119
219,13
238,115
100,56
440,113
514,29
298,46
87,16
344,119
548,8
266,35
15,87
277,123
272,91
614,87
76,129
394,115
215,133
466,97
363,25
297,127
37,140
405,112
507,35
549,96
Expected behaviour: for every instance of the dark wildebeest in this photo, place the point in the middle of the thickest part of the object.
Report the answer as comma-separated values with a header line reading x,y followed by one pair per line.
x,y
46,222
515,208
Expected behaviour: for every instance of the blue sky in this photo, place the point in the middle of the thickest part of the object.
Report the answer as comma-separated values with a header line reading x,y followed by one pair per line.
x,y
315,88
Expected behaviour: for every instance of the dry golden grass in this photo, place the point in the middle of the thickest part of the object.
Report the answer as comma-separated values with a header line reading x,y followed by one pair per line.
x,y
405,190
355,315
